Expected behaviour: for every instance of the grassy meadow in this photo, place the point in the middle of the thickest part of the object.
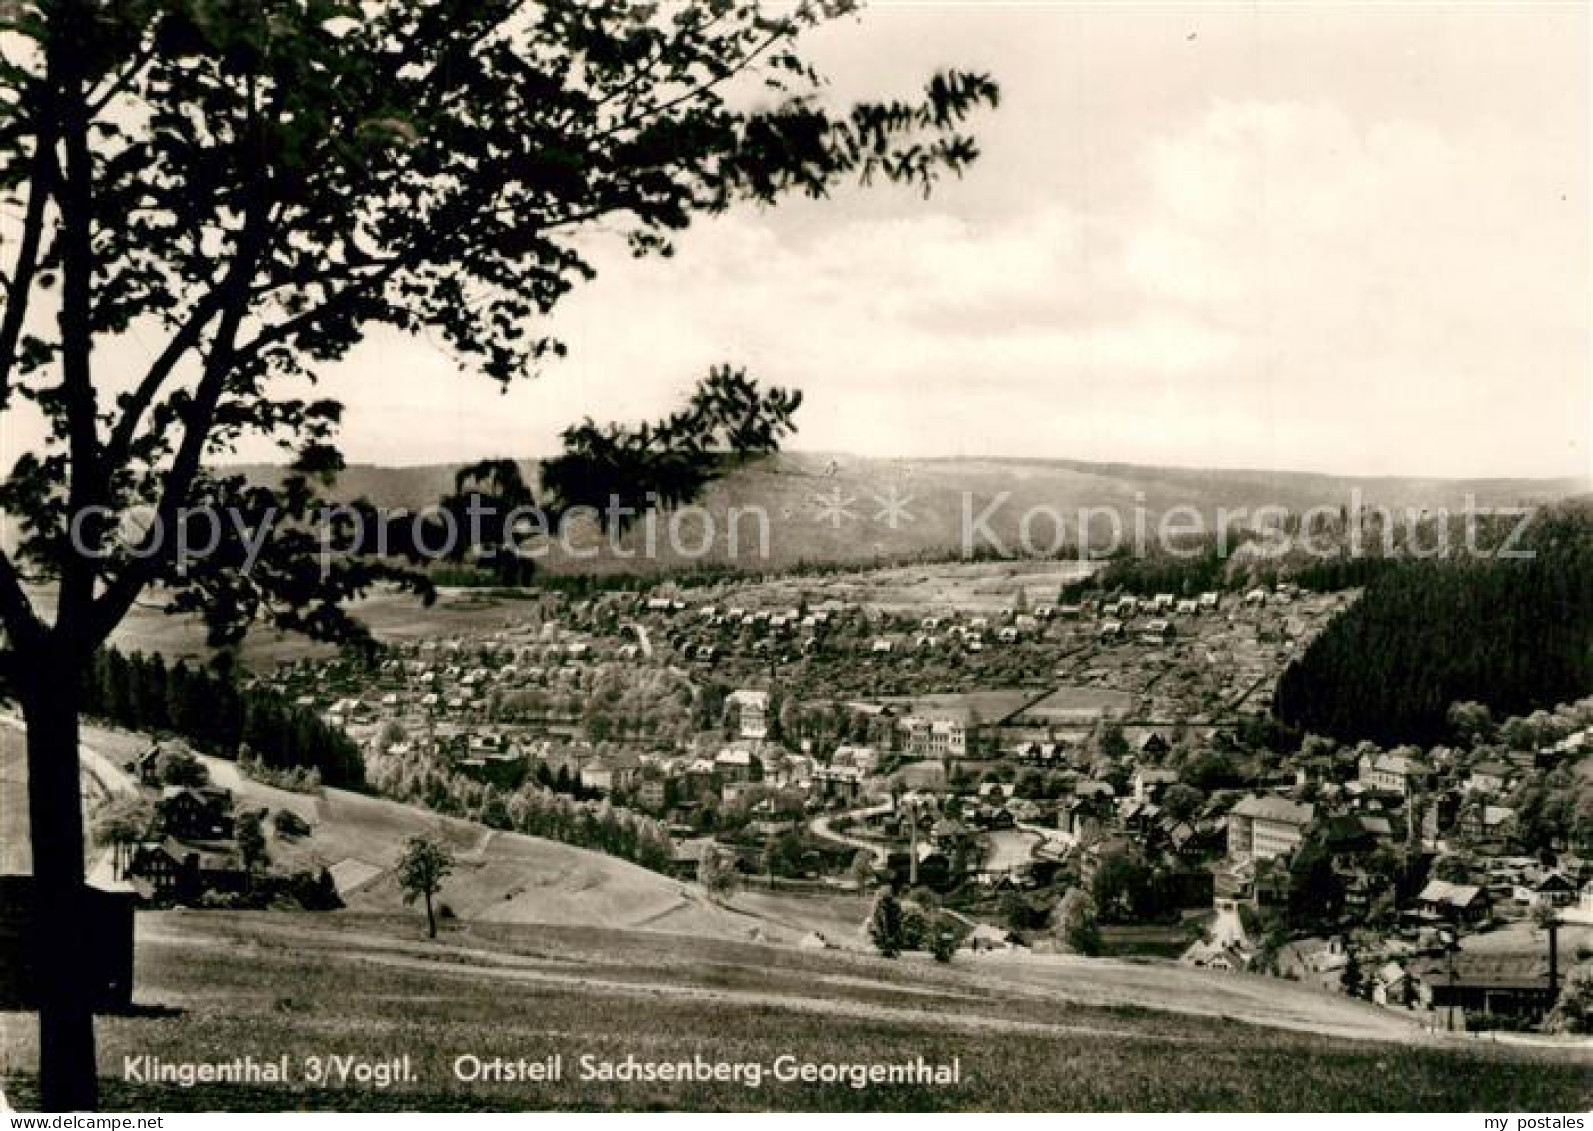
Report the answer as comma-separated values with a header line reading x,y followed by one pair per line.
x,y
213,986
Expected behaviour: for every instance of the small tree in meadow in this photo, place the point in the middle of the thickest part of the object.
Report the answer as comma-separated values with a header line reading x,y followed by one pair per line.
x,y
886,928
288,825
421,871
716,872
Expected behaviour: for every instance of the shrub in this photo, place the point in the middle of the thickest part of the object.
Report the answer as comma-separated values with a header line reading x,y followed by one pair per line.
x,y
288,825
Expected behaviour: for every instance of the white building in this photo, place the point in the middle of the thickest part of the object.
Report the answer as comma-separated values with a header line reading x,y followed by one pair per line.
x,y
1261,827
752,713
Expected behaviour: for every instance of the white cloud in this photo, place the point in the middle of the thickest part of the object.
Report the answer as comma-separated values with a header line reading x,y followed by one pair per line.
x,y
1230,250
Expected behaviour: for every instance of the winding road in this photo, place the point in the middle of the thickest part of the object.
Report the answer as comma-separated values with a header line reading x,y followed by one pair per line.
x,y
822,827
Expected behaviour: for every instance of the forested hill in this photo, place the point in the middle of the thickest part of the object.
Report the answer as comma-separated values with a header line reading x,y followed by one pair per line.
x,y
1516,635
828,508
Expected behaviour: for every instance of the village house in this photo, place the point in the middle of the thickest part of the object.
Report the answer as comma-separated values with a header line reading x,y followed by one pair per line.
x,y
1157,632
1510,984
1228,956
736,763
1454,903
1489,778
1314,961
195,813
841,784
1149,784
687,857
863,758
147,766
1554,889
1153,744
1486,822
1392,985
994,791
1572,744
1438,815
793,771
1086,816
157,872
167,871
1040,753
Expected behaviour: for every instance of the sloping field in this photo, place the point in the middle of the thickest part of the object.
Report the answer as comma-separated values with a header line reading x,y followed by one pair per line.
x,y
214,986
498,877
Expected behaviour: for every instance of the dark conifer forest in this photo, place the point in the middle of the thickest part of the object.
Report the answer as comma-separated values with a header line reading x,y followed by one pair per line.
x,y
209,708
1515,634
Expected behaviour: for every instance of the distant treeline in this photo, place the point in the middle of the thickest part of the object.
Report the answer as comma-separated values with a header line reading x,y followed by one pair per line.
x,y
1513,634
209,709
1195,570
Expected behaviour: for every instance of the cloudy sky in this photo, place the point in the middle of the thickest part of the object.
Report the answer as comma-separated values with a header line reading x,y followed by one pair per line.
x,y
1314,237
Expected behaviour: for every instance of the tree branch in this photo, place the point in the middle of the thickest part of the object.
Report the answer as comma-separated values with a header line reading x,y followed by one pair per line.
x,y
138,402
20,285
699,90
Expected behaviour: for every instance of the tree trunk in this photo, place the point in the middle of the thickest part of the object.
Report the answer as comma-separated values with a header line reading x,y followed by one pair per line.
x,y
431,919
64,956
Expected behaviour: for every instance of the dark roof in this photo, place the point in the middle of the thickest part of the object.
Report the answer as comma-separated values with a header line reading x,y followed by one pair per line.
x,y
1494,971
